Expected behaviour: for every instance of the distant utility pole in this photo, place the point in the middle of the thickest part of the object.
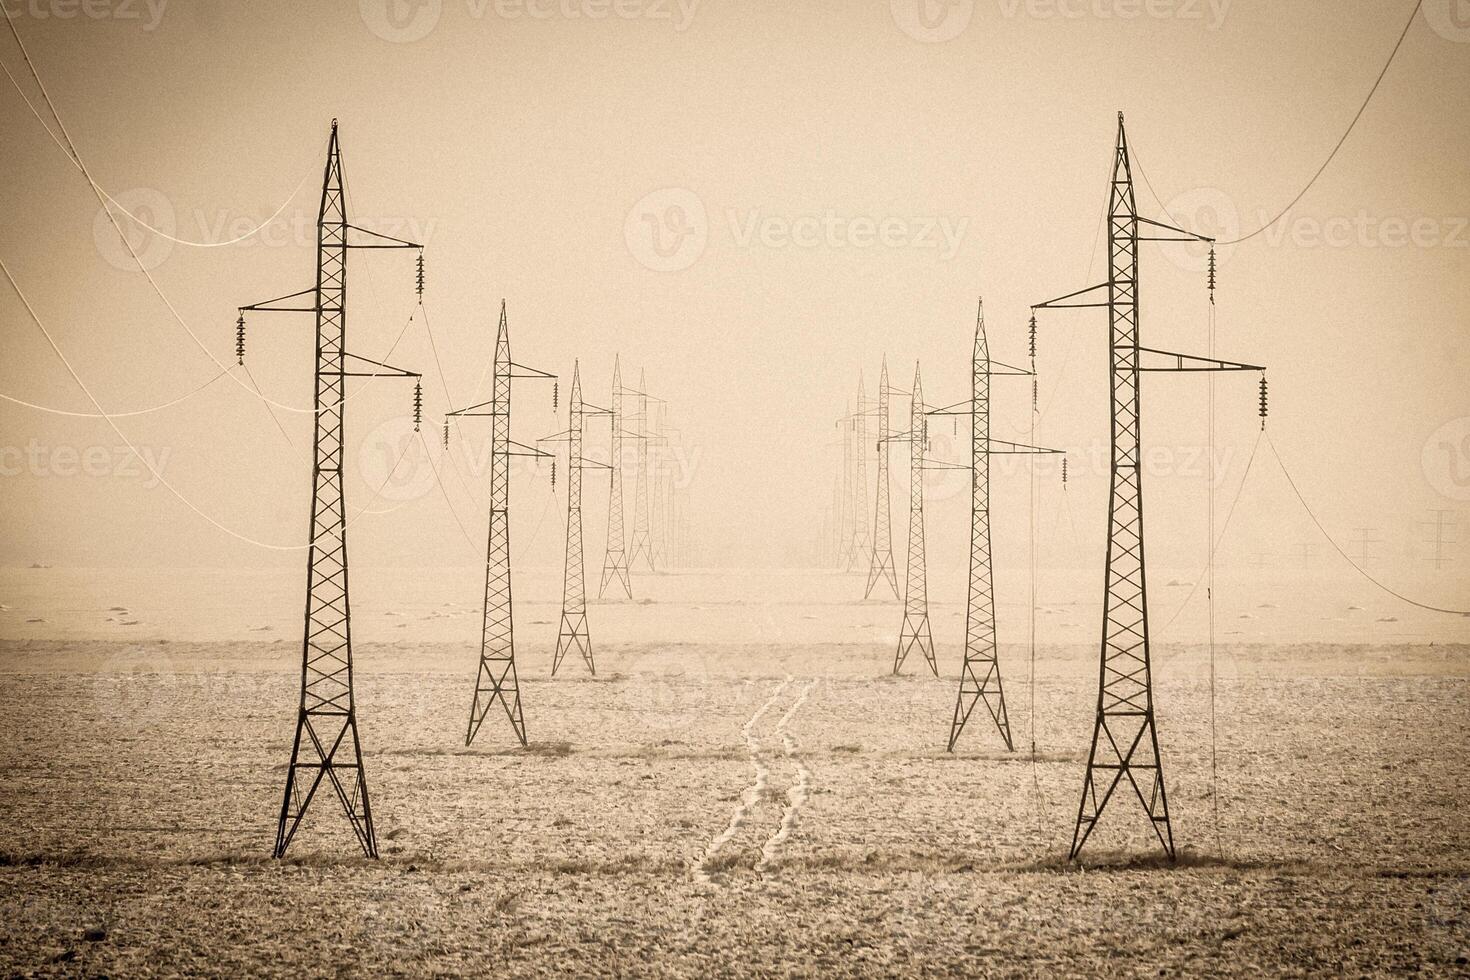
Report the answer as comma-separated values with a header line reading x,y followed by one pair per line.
x,y
1367,542
915,632
496,678
980,675
880,565
1439,526
573,634
1125,740
615,559
1306,551
326,744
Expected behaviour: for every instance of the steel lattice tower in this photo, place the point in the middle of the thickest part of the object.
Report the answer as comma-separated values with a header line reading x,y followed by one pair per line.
x,y
1125,741
496,678
915,631
573,634
980,679
641,543
881,564
846,520
615,558
326,743
861,543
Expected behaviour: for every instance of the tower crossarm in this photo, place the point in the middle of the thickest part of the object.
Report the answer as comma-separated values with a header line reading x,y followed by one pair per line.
x,y
1180,234
1163,360
1064,302
380,240
1000,447
269,306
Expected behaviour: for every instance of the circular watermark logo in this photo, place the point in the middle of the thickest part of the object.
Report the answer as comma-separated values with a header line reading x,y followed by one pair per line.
x,y
146,207
668,230
1446,459
1204,211
1450,19
401,21
933,21
391,465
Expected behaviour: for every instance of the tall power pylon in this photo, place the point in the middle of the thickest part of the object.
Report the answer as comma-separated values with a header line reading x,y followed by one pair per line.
x,y
496,678
573,633
326,743
861,539
847,518
1125,741
915,631
642,542
615,558
980,679
880,565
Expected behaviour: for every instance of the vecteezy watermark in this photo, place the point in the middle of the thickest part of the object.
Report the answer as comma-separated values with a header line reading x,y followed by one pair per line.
x,y
1446,459
95,462
1211,13
932,21
392,465
1450,19
143,223
406,21
669,230
148,13
1210,212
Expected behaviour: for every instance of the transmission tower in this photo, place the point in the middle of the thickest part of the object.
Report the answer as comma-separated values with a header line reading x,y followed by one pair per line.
x,y
642,542
880,565
326,743
861,540
980,675
615,558
496,678
1439,526
915,630
573,634
847,520
1125,738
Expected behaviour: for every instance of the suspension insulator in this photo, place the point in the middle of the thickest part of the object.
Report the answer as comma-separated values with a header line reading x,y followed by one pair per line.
x,y
555,394
1033,336
1212,275
1264,392
419,279
1035,395
553,474
418,405
240,339
446,433
1064,472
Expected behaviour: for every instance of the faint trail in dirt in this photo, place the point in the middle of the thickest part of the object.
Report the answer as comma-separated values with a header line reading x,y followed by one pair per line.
x,y
797,793
752,793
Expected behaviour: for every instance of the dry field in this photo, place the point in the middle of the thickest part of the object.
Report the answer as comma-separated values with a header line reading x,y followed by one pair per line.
x,y
729,810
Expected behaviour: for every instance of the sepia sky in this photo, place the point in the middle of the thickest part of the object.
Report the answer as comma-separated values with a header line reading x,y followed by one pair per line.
x,y
752,200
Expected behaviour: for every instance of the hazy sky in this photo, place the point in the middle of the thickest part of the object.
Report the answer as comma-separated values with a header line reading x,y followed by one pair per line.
x,y
835,181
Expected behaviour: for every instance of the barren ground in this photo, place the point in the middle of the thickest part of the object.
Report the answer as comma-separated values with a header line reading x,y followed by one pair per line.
x,y
139,786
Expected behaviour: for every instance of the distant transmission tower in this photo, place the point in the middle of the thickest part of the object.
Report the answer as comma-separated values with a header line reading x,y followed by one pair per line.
x,y
1439,526
642,543
880,565
980,676
847,520
1125,739
326,744
496,679
573,635
915,631
861,539
615,558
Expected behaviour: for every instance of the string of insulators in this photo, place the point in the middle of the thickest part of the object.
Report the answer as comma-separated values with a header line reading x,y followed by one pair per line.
x,y
1212,275
418,405
1064,472
553,474
555,394
240,339
419,279
1035,395
446,433
1263,401
1033,336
